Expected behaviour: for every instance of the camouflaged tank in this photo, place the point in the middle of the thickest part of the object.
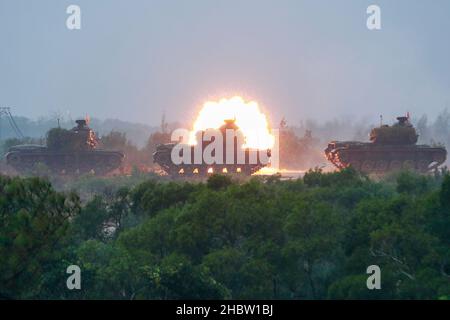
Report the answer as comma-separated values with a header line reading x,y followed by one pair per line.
x,y
392,148
67,152
251,164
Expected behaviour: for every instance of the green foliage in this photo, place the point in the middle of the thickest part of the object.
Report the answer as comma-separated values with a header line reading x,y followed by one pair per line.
x,y
409,183
114,140
34,224
444,195
218,182
90,222
310,238
151,196
316,178
353,287
177,278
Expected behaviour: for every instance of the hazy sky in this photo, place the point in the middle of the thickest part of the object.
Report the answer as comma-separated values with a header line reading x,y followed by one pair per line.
x,y
299,59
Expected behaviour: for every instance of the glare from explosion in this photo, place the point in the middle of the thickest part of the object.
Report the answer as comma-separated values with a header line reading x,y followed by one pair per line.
x,y
247,115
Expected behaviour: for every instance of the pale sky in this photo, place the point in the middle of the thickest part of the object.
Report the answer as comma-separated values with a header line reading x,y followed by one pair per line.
x,y
136,59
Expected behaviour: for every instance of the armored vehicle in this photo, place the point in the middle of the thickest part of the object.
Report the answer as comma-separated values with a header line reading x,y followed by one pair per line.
x,y
249,163
391,148
67,152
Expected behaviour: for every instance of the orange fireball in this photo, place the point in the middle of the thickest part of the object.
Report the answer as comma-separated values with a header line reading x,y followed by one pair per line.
x,y
247,115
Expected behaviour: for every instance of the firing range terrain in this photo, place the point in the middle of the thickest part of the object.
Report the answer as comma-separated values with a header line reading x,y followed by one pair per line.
x,y
138,141
142,236
142,68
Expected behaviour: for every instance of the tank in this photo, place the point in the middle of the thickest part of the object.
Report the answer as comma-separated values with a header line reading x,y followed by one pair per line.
x,y
162,156
66,152
391,148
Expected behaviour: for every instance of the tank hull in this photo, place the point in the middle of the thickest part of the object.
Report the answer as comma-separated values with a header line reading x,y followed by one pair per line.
x,y
162,157
98,162
374,158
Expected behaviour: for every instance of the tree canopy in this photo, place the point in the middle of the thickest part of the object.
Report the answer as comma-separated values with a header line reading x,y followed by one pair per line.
x,y
308,238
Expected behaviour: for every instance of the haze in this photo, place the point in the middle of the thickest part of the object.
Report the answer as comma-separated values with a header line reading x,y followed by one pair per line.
x,y
135,60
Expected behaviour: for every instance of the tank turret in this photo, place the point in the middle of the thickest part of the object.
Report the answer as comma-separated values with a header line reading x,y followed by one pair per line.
x,y
402,132
80,137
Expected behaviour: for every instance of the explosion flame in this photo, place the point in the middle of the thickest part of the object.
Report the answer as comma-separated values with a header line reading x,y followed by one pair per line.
x,y
247,115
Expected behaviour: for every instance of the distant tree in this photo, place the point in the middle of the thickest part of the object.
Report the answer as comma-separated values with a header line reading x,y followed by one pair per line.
x,y
118,141
151,197
314,230
177,278
34,225
422,129
218,182
298,152
410,183
155,139
91,222
114,140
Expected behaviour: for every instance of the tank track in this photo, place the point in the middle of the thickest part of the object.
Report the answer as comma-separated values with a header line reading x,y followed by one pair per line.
x,y
99,162
163,158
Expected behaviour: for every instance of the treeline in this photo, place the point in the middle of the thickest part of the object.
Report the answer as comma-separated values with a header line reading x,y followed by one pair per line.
x,y
310,238
431,130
